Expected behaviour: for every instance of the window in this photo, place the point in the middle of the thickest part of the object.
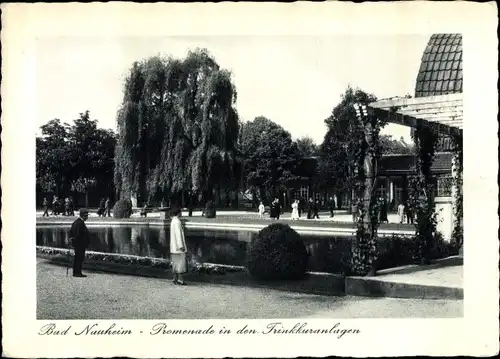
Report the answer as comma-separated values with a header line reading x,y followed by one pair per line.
x,y
444,186
302,192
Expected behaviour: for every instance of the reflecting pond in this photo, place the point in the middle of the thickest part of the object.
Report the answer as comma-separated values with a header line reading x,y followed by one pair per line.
x,y
327,254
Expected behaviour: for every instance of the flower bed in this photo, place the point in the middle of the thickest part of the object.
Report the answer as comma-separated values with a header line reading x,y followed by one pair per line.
x,y
61,255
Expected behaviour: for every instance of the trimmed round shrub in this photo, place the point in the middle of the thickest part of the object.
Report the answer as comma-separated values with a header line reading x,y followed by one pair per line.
x,y
122,208
210,210
277,253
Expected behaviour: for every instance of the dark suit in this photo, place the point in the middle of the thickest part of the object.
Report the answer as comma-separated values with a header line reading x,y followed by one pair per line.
x,y
80,238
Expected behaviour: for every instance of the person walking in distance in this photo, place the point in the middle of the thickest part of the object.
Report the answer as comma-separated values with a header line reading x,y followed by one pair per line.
x,y
331,206
310,206
45,207
261,210
71,206
100,210
316,209
55,205
107,208
178,248
401,212
409,214
80,240
278,208
295,210
66,207
301,206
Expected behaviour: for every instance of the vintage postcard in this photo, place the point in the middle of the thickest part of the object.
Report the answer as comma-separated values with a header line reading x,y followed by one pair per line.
x,y
249,179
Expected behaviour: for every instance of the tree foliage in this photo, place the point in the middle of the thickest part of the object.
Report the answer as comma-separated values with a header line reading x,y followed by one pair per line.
x,y
177,127
390,146
342,143
306,146
269,156
76,157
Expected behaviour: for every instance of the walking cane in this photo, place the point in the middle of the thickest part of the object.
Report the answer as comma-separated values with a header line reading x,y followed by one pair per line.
x,y
69,262
67,267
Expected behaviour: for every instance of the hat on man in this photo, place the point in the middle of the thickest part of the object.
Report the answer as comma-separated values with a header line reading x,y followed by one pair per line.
x,y
84,212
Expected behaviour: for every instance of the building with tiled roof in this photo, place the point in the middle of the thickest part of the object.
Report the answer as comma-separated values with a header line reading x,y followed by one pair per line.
x,y
441,72
441,66
406,164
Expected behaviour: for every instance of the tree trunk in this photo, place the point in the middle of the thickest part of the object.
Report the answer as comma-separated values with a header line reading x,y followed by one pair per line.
x,y
86,198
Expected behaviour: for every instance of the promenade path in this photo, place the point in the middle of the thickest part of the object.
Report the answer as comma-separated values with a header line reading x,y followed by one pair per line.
x,y
340,216
113,296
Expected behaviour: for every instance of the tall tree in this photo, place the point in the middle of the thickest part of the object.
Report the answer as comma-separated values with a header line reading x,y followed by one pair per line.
x,y
306,146
177,128
52,156
269,157
92,151
77,157
342,141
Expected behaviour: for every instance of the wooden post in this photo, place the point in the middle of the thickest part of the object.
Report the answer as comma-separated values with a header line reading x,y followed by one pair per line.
x,y
369,174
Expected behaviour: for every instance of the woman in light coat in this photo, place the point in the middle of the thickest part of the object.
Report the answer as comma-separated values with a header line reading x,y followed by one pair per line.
x,y
295,210
262,209
178,248
401,212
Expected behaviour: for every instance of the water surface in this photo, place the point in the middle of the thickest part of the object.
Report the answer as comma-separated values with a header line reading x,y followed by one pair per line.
x,y
327,254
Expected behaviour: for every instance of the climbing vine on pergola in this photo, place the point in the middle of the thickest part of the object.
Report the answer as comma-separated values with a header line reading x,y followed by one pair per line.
x,y
365,248
458,167
421,191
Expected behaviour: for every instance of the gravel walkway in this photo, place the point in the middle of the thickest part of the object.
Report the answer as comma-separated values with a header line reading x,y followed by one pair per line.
x,y
112,296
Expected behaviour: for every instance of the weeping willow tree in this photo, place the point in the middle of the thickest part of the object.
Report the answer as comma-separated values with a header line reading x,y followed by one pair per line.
x,y
177,128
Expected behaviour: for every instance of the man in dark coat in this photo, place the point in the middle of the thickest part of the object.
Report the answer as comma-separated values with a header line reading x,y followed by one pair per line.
x,y
277,207
315,209
100,210
80,239
45,207
409,213
331,206
310,208
301,206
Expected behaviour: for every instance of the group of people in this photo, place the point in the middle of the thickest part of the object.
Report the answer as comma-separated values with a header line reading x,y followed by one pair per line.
x,y
382,210
104,209
275,209
313,207
59,206
405,213
80,240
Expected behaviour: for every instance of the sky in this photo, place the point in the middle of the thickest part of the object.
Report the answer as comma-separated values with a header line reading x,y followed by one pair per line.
x,y
295,81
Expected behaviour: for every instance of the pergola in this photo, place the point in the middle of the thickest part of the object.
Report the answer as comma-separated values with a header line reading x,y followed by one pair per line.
x,y
438,107
442,113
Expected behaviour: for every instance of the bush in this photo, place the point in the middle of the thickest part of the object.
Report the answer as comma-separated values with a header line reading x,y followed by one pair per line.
x,y
122,208
330,255
277,253
210,210
397,251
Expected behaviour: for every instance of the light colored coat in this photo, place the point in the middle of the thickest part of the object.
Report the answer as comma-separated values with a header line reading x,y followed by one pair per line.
x,y
295,210
401,212
177,240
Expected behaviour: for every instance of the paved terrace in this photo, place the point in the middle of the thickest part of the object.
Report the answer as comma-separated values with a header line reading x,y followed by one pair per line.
x,y
114,296
341,216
